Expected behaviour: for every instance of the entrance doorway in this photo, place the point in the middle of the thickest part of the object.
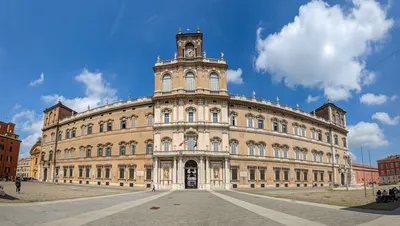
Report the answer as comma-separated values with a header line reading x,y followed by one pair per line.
x,y
191,174
45,174
342,179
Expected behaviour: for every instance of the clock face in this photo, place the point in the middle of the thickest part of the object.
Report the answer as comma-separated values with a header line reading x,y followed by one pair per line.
x,y
189,52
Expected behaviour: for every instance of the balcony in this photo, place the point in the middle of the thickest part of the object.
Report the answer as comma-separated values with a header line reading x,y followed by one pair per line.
x,y
191,153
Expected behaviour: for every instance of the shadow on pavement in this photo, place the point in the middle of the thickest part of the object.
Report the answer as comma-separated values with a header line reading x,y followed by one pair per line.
x,y
392,208
8,197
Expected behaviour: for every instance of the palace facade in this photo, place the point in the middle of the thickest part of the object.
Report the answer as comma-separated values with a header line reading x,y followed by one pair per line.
x,y
192,134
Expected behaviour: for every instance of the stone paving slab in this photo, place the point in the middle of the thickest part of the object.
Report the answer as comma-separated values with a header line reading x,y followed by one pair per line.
x,y
186,208
322,215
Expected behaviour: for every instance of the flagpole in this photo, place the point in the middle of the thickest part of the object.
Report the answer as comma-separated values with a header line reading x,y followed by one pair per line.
x,y
372,176
362,162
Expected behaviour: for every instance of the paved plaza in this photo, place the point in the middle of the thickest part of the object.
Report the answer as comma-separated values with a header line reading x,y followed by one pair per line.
x,y
189,207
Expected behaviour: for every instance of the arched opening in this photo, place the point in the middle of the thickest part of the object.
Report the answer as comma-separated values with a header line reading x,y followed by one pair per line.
x,y
191,172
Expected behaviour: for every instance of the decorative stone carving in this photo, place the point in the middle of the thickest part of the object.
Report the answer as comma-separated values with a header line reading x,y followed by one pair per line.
x,y
158,58
222,55
204,54
175,55
216,173
277,100
166,173
254,95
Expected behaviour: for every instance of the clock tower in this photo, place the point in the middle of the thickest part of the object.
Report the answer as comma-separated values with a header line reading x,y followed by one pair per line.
x,y
189,45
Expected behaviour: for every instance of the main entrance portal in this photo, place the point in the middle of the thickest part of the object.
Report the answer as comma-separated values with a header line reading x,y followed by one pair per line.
x,y
191,174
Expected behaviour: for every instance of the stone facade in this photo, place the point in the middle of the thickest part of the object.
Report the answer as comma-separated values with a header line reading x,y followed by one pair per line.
x,y
23,167
34,159
389,169
192,134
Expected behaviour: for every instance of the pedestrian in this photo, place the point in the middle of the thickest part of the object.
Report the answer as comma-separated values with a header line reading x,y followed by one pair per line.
x,y
18,185
154,188
56,178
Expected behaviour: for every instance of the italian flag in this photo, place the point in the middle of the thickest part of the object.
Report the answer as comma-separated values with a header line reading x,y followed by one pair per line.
x,y
181,144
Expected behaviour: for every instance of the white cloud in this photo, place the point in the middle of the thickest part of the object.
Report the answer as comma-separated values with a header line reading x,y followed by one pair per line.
x,y
372,99
366,134
16,107
368,79
352,156
97,90
38,81
31,123
234,76
394,98
324,47
311,99
385,118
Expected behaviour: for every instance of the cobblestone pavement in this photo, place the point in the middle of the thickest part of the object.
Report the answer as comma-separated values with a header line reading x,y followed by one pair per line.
x,y
186,208
37,191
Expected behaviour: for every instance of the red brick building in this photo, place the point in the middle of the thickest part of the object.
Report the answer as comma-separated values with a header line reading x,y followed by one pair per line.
x,y
9,150
371,174
389,169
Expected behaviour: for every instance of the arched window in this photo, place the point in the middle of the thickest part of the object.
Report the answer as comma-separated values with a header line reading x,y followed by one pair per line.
x,y
190,82
250,121
285,152
52,137
214,82
215,144
50,155
88,152
275,125
233,147
261,151
336,139
166,83
251,149
99,151
133,148
122,149
284,126
108,151
149,148
276,151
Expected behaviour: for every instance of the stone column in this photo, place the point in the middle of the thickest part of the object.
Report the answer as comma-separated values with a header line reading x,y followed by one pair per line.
x,y
201,173
174,175
155,179
207,173
181,171
227,178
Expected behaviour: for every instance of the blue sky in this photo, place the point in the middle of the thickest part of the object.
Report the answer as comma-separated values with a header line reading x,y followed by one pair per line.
x,y
84,52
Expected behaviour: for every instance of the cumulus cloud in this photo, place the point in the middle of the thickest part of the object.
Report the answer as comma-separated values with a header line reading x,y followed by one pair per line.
x,y
97,90
30,123
16,107
384,118
311,99
373,99
324,47
394,98
366,134
234,76
38,81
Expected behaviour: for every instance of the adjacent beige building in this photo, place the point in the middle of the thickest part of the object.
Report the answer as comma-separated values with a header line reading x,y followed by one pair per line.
x,y
192,134
23,167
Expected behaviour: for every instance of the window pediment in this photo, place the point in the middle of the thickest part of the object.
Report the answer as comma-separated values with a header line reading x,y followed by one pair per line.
x,y
166,110
262,143
216,139
214,109
122,143
233,113
275,145
234,141
166,139
250,142
188,109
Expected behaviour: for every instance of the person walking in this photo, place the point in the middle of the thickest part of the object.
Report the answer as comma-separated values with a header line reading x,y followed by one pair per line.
x,y
18,185
56,179
154,188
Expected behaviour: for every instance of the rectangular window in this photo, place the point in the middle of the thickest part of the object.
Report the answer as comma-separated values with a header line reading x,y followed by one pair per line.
x,y
260,124
337,159
107,173
123,124
344,143
215,117
233,146
295,130
276,152
65,172
89,129
80,172
87,172
285,153
315,176
83,131
100,152
330,177
99,173
284,128
131,173
148,173
261,150
252,174
101,129
319,136
250,122
150,121
297,175
121,173
7,169
336,140
133,122
322,176
132,151
215,146
108,151
149,149
234,174
59,137
71,172
109,126
67,135
313,134
277,174
166,117
305,176
190,116
73,133
262,174
303,132
233,120
328,138
286,175
122,150
88,153
275,126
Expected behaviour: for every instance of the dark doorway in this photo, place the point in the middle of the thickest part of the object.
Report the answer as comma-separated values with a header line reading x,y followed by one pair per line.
x,y
342,179
191,174
45,174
